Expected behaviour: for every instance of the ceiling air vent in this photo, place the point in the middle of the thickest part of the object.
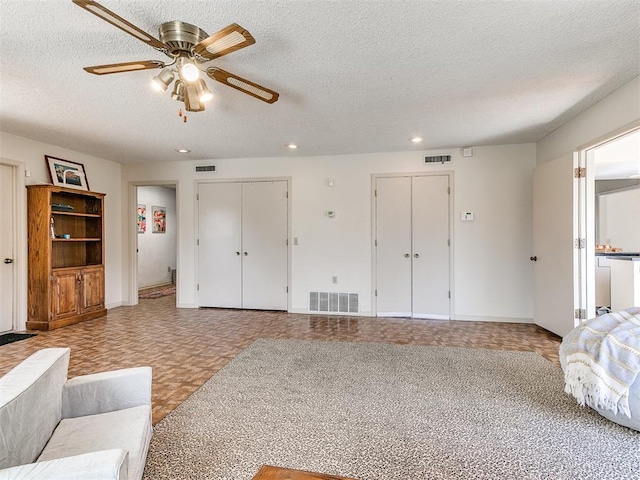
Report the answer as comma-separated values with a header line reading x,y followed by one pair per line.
x,y
437,158
205,168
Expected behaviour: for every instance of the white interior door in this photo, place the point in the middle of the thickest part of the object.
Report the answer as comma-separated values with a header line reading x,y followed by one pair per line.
x,y
220,245
553,245
264,245
430,252
6,248
393,251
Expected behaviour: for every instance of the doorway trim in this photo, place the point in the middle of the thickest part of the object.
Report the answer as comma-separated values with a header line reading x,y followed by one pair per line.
x,y
374,225
584,285
132,218
20,283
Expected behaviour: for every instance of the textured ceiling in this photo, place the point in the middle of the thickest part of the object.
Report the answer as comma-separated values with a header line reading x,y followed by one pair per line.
x,y
354,76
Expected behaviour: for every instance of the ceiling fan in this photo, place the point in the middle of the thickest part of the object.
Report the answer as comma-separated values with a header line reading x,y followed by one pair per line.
x,y
188,47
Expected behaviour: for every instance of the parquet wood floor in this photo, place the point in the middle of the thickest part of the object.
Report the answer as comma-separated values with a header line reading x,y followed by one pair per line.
x,y
186,347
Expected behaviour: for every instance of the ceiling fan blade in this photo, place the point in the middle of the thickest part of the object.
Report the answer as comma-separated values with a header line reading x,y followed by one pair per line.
x,y
124,67
227,40
121,23
245,86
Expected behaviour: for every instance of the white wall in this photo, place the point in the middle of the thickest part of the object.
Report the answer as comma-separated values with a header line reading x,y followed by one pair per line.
x,y
102,175
613,112
619,222
492,271
157,251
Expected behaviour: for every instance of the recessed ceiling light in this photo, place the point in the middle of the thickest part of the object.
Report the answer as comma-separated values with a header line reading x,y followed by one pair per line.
x,y
416,139
182,150
292,146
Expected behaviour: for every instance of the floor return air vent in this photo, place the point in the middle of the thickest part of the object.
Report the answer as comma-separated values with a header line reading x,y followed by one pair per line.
x,y
333,302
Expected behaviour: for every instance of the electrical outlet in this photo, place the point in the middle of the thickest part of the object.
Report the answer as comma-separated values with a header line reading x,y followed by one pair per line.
x,y
334,279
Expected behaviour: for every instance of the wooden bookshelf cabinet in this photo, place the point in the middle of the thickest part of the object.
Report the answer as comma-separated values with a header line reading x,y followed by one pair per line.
x,y
66,275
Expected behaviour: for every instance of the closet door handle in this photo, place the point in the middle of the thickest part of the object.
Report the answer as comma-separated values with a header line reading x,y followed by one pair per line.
x,y
417,255
245,254
406,255
238,253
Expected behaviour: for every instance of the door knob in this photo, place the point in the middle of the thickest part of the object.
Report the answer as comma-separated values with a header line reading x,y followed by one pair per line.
x,y
416,255
406,255
8,260
245,254
533,259
238,253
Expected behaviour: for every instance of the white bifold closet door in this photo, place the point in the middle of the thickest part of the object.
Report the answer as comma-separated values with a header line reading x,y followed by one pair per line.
x,y
243,230
412,253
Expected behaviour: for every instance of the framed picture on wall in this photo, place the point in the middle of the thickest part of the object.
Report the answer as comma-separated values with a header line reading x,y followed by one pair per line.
x,y
65,173
142,218
159,219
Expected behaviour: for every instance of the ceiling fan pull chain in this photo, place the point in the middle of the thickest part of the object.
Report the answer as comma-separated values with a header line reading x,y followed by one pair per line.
x,y
180,112
185,119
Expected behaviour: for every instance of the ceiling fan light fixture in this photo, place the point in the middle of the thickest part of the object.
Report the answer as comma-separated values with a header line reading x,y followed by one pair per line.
x,y
178,91
191,101
162,81
204,94
189,72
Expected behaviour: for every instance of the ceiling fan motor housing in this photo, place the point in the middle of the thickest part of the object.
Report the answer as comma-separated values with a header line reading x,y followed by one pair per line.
x,y
181,37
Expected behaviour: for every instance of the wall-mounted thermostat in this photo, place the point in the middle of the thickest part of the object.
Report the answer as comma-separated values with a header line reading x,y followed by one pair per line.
x,y
466,216
331,213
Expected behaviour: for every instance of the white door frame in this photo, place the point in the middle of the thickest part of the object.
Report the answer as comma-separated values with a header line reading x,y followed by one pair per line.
x,y
132,210
197,184
584,286
374,273
20,283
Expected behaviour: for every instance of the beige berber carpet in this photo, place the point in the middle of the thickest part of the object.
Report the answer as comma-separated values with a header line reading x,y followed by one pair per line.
x,y
388,412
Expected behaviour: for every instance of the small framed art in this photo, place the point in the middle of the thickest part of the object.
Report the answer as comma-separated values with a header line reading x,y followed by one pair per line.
x,y
142,218
159,219
65,173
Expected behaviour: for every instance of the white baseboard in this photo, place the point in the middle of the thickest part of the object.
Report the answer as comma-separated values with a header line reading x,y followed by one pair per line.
x,y
431,317
114,305
475,318
186,305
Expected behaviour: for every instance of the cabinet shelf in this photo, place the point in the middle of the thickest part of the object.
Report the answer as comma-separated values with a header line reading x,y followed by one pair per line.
x,y
76,214
76,239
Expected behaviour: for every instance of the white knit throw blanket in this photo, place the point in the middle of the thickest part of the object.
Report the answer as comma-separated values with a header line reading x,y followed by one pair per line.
x,y
603,360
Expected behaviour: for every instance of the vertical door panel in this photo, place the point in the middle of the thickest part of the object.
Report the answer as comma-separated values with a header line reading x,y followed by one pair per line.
x,y
430,255
6,248
553,234
65,296
220,245
92,289
393,253
264,245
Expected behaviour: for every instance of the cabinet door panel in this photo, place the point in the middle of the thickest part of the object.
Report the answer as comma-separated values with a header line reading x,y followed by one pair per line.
x,y
430,255
64,302
264,245
393,254
92,289
220,245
